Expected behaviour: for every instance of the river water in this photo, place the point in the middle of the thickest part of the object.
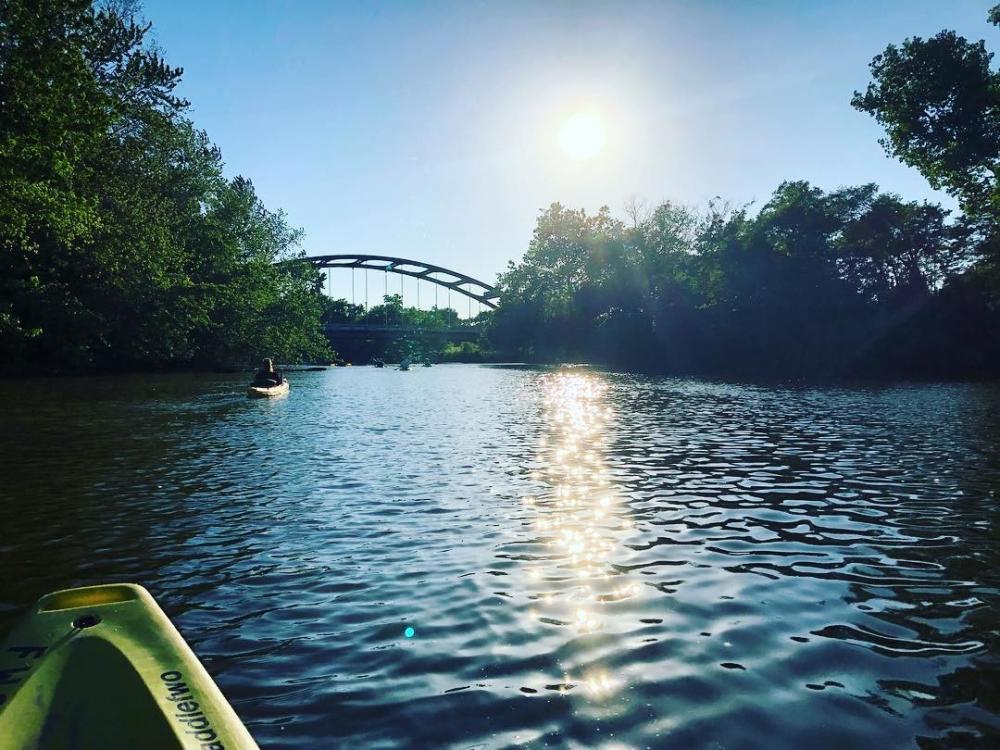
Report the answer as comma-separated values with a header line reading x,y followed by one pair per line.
x,y
585,559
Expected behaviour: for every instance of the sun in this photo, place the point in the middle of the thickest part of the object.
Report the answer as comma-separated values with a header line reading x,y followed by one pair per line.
x,y
582,136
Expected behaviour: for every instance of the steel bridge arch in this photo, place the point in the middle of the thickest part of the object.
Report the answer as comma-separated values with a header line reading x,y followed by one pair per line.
x,y
459,282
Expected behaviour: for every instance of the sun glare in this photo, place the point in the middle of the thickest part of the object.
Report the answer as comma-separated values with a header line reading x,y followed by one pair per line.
x,y
581,136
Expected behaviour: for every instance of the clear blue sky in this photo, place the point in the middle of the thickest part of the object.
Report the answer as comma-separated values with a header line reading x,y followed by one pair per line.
x,y
428,129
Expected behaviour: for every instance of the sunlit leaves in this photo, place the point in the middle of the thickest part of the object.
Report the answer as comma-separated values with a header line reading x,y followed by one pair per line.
x,y
122,243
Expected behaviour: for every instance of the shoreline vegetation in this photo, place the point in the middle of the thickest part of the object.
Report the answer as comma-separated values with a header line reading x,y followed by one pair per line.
x,y
125,249
849,283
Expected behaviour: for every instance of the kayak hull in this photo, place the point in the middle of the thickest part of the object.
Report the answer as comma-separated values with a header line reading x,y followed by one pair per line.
x,y
103,667
254,391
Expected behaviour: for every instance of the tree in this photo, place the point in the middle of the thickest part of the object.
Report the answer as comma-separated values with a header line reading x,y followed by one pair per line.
x,y
52,116
798,287
389,313
341,311
939,101
121,243
251,290
894,249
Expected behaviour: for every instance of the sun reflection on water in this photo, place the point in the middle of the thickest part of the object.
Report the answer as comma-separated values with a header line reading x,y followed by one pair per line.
x,y
577,515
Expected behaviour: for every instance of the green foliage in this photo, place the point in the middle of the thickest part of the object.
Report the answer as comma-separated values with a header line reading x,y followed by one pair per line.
x,y
257,295
391,313
341,311
121,243
467,351
939,102
436,317
423,340
801,286
576,266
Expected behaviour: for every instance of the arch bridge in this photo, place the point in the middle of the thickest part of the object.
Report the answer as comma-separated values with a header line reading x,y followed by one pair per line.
x,y
475,289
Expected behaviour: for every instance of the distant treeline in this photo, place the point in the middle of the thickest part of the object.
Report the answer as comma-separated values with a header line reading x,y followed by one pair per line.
x,y
121,243
418,345
392,313
849,282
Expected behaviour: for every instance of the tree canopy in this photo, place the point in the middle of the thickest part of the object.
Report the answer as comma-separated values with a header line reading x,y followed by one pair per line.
x,y
122,244
939,102
799,286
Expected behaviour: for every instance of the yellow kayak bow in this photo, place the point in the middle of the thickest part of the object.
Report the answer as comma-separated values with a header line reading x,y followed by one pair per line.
x,y
103,667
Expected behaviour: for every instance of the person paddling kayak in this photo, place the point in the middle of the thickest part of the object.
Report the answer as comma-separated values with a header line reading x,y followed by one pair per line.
x,y
267,376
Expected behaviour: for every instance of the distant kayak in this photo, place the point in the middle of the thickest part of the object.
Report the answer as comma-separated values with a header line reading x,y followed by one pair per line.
x,y
256,391
103,667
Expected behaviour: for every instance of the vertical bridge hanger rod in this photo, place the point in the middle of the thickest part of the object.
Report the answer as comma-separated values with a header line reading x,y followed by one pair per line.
x,y
485,294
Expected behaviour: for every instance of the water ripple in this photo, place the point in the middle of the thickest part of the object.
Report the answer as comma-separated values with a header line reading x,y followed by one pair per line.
x,y
586,559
